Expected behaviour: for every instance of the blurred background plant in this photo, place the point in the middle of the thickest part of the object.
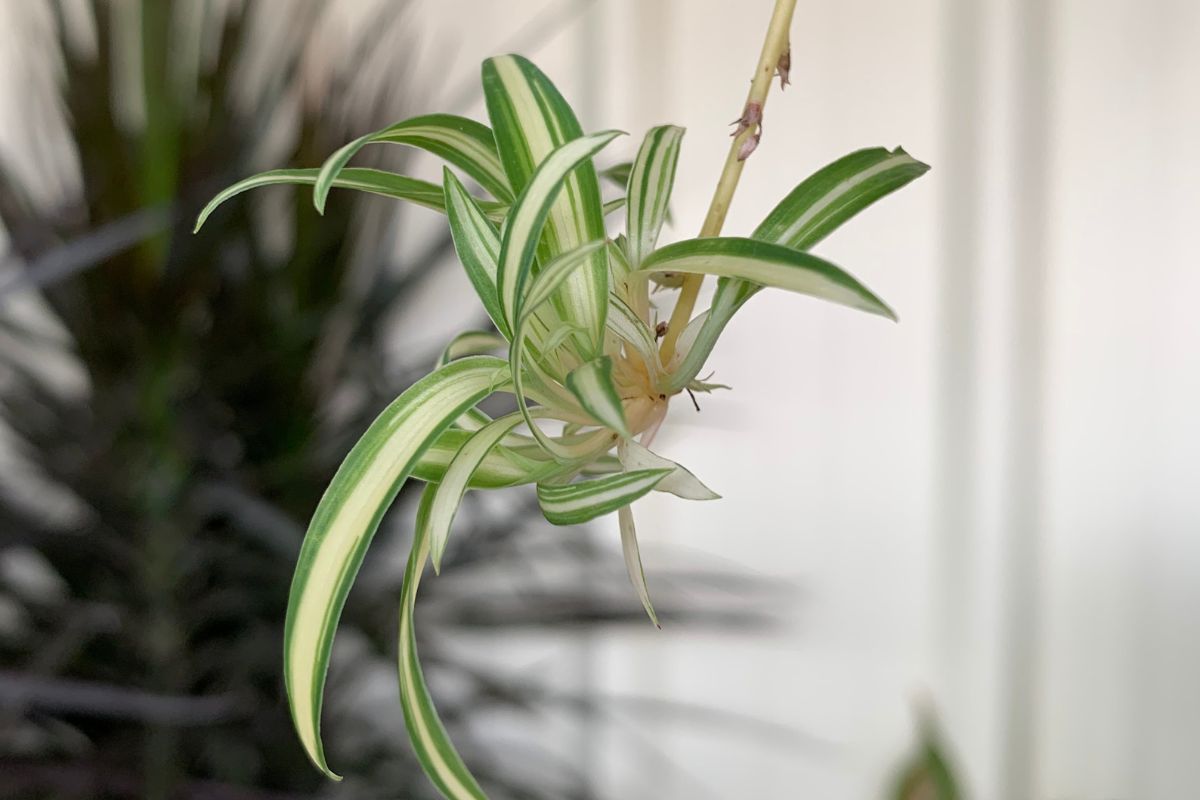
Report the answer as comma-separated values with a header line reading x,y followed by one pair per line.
x,y
174,406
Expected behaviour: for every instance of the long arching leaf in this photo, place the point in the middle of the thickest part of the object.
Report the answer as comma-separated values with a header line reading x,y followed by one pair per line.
x,y
376,181
433,747
463,142
348,515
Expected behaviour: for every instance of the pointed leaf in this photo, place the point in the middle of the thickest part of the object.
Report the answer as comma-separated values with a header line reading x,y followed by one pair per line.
x,y
649,192
375,181
502,467
633,561
769,265
465,143
525,223
629,328
441,762
680,482
592,384
576,503
449,493
478,246
835,193
347,517
531,120
543,286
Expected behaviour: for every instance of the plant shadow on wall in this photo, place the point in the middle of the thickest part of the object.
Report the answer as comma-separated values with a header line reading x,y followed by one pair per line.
x,y
571,309
175,404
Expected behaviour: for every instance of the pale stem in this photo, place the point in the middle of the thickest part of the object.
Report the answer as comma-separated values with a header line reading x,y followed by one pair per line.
x,y
774,46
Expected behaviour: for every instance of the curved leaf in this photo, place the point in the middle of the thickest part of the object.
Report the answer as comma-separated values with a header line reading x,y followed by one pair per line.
x,y
524,229
531,120
649,192
441,762
633,561
576,503
348,515
448,494
465,143
478,246
680,482
376,181
769,265
472,343
835,193
592,384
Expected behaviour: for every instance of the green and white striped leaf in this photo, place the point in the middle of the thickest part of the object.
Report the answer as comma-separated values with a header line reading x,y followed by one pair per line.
x,y
576,503
769,265
629,328
633,561
478,246
448,494
348,515
543,286
441,762
375,181
550,277
649,191
835,193
531,120
472,343
502,467
592,384
465,143
525,222
680,482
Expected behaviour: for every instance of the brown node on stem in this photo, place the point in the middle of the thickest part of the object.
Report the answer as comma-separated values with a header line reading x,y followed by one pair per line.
x,y
784,67
751,120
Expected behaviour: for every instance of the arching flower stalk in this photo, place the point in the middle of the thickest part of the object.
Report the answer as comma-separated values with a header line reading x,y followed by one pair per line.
x,y
571,309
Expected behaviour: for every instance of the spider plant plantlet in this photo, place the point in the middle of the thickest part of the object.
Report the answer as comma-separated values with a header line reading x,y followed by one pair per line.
x,y
571,310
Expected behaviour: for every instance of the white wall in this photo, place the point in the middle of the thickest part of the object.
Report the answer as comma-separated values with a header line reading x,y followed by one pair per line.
x,y
991,503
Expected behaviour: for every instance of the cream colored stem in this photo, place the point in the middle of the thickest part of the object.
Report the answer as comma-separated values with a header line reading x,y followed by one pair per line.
x,y
774,46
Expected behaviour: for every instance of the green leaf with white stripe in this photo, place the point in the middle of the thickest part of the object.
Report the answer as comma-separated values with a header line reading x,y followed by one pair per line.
x,y
501,467
576,503
649,191
448,494
629,328
375,181
478,246
465,143
348,515
441,762
543,286
531,120
524,229
472,343
592,384
835,193
768,265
